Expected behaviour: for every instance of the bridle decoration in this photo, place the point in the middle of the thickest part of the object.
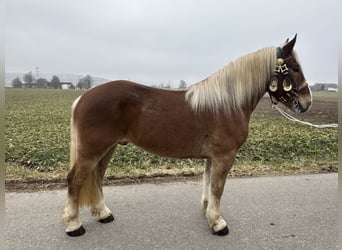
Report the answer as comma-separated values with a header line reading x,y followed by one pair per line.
x,y
280,87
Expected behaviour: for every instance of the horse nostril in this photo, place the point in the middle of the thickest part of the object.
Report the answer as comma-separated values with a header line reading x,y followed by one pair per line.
x,y
297,106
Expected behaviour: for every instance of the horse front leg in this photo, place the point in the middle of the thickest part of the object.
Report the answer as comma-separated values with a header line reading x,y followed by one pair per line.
x,y
206,182
218,175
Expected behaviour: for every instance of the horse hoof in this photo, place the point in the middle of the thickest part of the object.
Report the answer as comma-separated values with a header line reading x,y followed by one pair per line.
x,y
108,219
222,232
78,232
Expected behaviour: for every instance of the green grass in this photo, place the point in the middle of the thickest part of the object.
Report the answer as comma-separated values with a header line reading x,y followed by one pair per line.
x,y
36,128
37,143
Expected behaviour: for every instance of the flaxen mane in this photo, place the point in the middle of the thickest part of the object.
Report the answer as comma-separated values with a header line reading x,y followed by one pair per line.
x,y
234,85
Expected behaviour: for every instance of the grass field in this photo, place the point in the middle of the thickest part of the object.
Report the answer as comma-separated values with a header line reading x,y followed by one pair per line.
x,y
37,142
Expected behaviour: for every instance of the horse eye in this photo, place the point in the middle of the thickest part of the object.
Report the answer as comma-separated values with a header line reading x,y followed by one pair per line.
x,y
295,69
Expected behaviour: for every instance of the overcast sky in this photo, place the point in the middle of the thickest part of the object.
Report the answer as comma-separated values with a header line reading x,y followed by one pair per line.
x,y
154,41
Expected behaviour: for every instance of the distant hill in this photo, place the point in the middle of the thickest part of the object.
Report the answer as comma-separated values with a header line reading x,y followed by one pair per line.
x,y
64,77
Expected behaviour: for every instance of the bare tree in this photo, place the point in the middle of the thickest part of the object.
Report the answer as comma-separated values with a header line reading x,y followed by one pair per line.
x,y
42,83
182,84
17,83
85,82
28,79
55,82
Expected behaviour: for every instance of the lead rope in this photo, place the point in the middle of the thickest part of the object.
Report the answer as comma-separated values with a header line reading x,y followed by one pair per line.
x,y
291,118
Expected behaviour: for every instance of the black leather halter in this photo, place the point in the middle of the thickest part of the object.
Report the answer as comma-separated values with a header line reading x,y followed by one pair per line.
x,y
280,87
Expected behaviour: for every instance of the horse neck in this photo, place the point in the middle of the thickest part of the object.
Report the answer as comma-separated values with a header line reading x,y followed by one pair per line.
x,y
260,65
237,87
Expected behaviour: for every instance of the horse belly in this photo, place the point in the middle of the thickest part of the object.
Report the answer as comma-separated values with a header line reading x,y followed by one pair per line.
x,y
169,139
170,149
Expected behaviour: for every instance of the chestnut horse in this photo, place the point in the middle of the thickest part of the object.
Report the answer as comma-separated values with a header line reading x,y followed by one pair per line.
x,y
209,120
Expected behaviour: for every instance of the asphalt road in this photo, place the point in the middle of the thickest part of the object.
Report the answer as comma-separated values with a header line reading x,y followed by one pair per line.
x,y
293,212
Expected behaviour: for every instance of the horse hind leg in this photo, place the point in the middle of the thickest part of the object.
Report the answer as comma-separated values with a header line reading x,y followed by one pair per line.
x,y
98,206
76,178
85,189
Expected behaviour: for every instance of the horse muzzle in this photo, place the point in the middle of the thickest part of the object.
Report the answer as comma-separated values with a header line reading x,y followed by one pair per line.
x,y
300,105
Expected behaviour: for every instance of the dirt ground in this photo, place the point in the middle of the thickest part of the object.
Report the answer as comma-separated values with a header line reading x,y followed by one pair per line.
x,y
323,109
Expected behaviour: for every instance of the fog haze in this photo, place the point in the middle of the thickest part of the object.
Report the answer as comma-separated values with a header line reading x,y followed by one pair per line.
x,y
159,41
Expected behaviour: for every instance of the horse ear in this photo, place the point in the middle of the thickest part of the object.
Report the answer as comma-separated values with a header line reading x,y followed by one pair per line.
x,y
287,40
288,47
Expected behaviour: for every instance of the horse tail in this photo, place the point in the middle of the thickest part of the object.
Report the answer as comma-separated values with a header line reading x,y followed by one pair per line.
x,y
91,191
73,135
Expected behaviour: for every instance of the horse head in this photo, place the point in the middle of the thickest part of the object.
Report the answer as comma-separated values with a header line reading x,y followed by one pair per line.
x,y
288,84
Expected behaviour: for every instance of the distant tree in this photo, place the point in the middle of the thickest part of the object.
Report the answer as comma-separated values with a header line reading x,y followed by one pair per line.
x,y
42,83
165,86
28,79
17,83
182,84
85,82
55,82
